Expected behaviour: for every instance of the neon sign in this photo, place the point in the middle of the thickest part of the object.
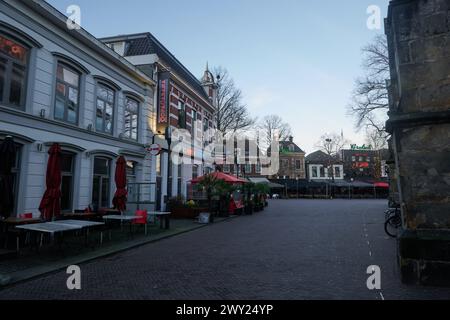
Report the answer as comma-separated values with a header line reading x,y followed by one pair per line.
x,y
363,147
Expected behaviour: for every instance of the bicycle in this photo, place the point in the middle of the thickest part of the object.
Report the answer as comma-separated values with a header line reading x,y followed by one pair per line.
x,y
393,221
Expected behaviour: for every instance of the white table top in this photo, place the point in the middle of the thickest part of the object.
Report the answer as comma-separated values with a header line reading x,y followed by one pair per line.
x,y
81,223
49,227
122,218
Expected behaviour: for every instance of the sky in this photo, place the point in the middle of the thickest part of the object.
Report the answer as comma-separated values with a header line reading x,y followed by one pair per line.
x,y
295,58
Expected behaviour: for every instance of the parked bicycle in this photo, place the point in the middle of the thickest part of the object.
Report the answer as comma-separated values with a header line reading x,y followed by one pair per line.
x,y
393,221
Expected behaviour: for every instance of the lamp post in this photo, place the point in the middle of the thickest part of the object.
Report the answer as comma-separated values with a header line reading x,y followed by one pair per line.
x,y
297,187
330,166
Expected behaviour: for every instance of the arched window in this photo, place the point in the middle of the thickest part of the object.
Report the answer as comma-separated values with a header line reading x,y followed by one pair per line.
x,y
14,56
131,118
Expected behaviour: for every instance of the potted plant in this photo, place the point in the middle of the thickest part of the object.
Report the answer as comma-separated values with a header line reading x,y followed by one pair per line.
x,y
209,184
224,192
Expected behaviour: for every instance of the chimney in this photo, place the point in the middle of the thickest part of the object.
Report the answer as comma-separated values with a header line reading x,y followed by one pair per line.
x,y
291,138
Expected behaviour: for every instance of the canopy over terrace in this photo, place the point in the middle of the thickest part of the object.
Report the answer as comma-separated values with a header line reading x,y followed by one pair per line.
x,y
266,181
221,176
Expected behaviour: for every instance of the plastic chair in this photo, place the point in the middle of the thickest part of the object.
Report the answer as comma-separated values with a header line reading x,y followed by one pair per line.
x,y
26,216
143,214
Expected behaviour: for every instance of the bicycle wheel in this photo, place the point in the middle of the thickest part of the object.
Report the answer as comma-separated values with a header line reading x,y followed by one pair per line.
x,y
391,226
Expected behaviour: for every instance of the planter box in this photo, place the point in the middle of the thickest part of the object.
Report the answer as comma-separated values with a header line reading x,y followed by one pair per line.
x,y
187,213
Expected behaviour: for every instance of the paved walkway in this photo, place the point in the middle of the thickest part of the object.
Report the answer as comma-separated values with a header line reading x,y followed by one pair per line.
x,y
305,249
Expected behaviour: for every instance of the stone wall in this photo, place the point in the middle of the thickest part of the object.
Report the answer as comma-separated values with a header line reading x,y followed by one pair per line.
x,y
419,43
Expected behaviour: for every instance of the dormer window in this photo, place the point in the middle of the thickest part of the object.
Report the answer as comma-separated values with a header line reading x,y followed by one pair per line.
x,y
291,148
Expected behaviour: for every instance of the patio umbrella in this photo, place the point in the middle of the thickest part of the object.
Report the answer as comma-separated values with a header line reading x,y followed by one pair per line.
x,y
8,153
51,201
120,197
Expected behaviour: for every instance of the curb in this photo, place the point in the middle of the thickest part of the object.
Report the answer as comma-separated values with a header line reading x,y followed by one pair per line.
x,y
10,280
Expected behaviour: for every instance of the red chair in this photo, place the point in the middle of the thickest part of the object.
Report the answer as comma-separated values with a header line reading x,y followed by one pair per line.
x,y
26,216
143,214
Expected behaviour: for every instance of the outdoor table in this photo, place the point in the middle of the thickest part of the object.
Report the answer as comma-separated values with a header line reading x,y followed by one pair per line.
x,y
12,222
164,216
121,218
80,215
108,211
51,228
86,225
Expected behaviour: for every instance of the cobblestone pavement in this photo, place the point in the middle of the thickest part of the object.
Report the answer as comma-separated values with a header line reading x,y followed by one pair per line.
x,y
295,249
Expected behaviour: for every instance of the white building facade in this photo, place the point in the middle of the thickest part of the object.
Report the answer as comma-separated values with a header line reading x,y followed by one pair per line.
x,y
64,86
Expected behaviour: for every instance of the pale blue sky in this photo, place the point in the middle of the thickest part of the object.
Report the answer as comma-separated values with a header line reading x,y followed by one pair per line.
x,y
295,58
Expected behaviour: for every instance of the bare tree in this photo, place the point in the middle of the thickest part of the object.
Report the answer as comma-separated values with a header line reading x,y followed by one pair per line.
x,y
370,103
232,115
272,124
332,144
376,138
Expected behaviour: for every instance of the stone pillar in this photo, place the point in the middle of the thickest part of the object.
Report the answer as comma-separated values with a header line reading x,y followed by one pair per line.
x,y
419,119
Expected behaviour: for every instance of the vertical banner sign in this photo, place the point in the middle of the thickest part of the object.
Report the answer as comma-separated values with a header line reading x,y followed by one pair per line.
x,y
163,100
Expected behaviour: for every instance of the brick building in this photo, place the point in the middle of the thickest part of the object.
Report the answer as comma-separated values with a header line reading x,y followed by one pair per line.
x,y
365,164
183,102
292,161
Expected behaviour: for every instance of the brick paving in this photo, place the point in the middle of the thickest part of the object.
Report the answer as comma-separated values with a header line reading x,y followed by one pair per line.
x,y
295,249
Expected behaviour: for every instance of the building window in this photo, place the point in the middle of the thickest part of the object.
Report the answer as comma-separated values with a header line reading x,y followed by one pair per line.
x,y
353,159
194,127
248,168
13,71
258,168
291,148
194,171
298,164
322,172
337,172
105,109
181,115
205,124
131,118
67,94
101,183
226,168
314,173
132,188
67,173
180,173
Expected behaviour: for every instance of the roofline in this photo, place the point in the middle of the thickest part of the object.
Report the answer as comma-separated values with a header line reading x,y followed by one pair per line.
x,y
183,83
153,38
58,18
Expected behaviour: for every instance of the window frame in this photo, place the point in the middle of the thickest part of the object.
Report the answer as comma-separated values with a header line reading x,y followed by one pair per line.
x,y
67,86
138,111
10,61
108,175
97,98
72,183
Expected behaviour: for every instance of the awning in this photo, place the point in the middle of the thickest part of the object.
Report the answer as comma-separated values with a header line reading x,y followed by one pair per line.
x,y
222,176
381,185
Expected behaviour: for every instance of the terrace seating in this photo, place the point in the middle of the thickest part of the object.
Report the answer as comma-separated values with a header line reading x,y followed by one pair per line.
x,y
143,220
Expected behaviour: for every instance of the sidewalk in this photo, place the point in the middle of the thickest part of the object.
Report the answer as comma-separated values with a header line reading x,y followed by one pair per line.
x,y
30,264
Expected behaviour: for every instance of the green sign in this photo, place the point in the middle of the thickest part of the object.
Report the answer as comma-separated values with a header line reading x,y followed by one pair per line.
x,y
362,148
